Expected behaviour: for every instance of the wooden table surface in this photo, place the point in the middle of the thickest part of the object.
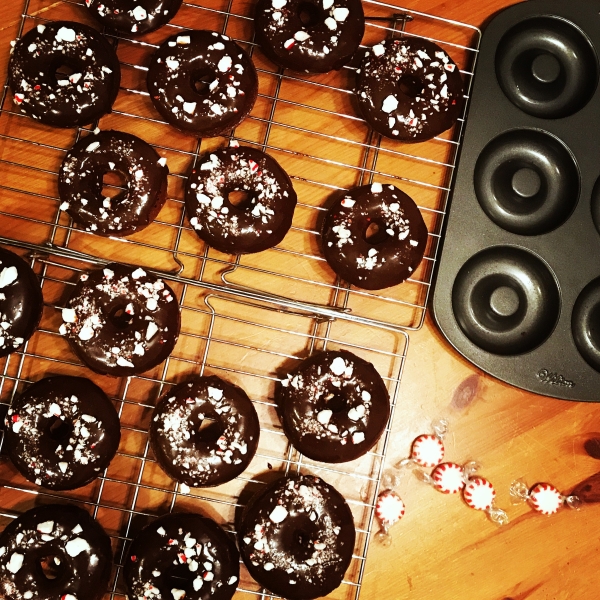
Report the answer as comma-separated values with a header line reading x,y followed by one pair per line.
x,y
442,549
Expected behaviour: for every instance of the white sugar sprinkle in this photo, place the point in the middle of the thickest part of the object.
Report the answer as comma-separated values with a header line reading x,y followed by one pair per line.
x,y
45,527
338,366
278,514
77,546
378,49
7,276
15,563
389,104
324,417
224,64
139,13
65,34
340,14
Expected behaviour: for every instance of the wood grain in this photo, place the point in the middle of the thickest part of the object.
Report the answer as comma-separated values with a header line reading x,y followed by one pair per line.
x,y
441,548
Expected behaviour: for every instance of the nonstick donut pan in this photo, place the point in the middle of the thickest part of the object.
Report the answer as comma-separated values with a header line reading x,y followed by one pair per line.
x,y
517,290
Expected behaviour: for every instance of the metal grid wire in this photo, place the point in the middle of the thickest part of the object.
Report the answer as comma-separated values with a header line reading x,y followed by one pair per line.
x,y
308,123
251,351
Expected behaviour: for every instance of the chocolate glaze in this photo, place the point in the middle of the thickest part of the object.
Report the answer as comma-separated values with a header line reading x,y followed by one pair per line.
x,y
409,89
315,36
388,257
297,537
227,445
334,406
133,18
80,183
202,82
21,302
65,532
62,432
261,221
182,554
73,100
121,320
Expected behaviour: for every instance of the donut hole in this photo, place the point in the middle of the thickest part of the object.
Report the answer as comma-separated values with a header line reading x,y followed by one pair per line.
x,y
51,566
62,68
411,85
180,578
310,14
119,317
114,186
63,71
335,402
60,429
241,199
375,233
302,545
209,430
201,81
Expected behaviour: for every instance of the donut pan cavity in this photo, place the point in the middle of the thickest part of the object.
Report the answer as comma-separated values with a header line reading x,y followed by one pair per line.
x,y
517,290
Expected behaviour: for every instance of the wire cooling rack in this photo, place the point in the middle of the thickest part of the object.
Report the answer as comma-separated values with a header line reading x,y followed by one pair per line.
x,y
252,351
248,318
308,123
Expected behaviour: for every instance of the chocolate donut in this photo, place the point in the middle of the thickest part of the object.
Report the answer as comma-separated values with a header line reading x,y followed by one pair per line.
x,y
80,183
409,89
202,82
42,89
21,302
121,320
387,257
182,556
134,18
260,221
315,36
60,540
297,537
62,432
219,452
334,406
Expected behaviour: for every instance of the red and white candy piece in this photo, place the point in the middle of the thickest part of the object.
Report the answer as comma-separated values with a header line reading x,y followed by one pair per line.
x,y
448,478
545,498
427,450
479,493
389,508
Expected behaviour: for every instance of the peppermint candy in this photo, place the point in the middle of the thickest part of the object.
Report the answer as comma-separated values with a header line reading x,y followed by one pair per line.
x,y
448,478
427,450
389,508
545,498
479,493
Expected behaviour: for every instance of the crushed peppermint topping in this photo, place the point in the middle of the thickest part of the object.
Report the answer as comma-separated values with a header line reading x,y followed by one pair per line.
x,y
139,13
76,547
338,366
8,275
278,514
65,34
15,563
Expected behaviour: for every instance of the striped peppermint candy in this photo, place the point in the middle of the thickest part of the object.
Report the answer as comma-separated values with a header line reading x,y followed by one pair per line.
x,y
545,498
479,493
389,508
427,450
448,478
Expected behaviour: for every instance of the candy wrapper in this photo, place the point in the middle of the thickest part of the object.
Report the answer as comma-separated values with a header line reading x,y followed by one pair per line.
x,y
542,497
428,450
389,509
477,492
